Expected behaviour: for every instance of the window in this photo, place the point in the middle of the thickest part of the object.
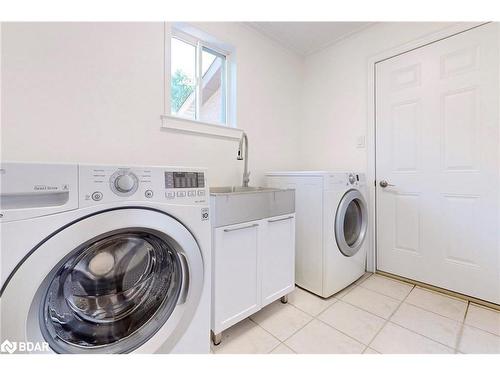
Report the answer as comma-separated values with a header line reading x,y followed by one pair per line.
x,y
198,85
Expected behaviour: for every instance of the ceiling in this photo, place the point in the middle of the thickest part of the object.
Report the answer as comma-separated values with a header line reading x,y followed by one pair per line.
x,y
305,38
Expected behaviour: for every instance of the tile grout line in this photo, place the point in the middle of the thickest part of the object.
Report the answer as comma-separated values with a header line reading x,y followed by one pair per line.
x,y
461,332
426,337
366,346
433,312
283,343
313,317
274,347
481,329
320,321
388,319
305,325
404,300
474,327
353,286
277,338
408,329
258,325
417,333
270,333
316,317
436,292
290,348
361,308
327,307
382,294
343,333
389,279
420,307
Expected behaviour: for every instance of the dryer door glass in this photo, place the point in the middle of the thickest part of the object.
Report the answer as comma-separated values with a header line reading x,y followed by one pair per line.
x,y
114,291
351,223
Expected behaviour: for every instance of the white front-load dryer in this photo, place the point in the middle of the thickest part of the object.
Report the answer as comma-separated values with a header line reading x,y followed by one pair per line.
x,y
345,230
331,227
103,259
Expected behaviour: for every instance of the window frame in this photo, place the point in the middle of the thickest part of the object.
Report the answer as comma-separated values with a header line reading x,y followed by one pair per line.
x,y
201,41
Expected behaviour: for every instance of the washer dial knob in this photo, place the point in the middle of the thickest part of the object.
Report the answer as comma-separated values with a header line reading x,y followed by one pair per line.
x,y
352,179
124,183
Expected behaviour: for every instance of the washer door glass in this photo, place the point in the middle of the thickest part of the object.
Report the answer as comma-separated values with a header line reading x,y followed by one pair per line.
x,y
350,223
108,290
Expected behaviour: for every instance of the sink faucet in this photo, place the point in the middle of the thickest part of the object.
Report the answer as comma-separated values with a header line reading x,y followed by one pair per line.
x,y
246,173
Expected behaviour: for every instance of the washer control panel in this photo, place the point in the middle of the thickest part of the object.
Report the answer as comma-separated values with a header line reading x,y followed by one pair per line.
x,y
103,184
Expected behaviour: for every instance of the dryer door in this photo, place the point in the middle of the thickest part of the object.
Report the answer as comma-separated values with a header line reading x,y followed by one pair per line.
x,y
113,282
351,222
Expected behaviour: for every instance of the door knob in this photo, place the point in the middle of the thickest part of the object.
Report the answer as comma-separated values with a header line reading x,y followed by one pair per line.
x,y
384,184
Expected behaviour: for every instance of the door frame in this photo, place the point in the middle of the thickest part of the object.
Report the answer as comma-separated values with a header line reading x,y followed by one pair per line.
x,y
446,32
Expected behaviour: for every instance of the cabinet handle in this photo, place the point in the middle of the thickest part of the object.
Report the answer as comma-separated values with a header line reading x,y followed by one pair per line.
x,y
280,219
245,227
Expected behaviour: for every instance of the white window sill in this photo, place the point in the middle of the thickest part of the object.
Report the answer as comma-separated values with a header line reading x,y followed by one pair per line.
x,y
199,127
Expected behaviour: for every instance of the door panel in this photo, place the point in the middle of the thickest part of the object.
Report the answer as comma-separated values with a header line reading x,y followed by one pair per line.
x,y
437,141
405,152
460,117
407,222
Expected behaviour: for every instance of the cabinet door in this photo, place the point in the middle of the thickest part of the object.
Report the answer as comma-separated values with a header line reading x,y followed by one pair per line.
x,y
277,257
236,292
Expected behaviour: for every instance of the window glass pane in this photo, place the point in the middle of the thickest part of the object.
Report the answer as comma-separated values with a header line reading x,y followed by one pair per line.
x,y
183,78
213,105
207,60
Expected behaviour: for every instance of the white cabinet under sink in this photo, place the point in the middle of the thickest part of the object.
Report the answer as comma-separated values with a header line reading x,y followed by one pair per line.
x,y
253,265
235,280
277,258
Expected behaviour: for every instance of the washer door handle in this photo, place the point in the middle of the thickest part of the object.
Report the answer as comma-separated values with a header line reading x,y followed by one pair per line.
x,y
185,279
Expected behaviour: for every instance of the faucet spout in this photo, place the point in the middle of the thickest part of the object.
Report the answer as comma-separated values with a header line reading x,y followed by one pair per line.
x,y
246,173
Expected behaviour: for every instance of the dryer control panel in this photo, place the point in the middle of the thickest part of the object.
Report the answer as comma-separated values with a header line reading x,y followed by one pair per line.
x,y
346,180
102,184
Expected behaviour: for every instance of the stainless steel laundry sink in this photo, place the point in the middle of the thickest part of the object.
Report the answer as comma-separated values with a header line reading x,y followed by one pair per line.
x,y
224,190
237,204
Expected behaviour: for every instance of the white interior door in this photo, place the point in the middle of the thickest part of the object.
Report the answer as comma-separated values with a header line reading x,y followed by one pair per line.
x,y
437,142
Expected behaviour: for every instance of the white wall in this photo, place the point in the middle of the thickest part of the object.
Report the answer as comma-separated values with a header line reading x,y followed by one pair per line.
x,y
335,94
93,93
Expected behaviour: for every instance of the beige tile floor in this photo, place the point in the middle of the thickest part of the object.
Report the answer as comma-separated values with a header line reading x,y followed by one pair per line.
x,y
374,315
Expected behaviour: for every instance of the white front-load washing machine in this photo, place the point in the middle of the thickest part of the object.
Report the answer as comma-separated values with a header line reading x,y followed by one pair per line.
x,y
104,259
331,227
